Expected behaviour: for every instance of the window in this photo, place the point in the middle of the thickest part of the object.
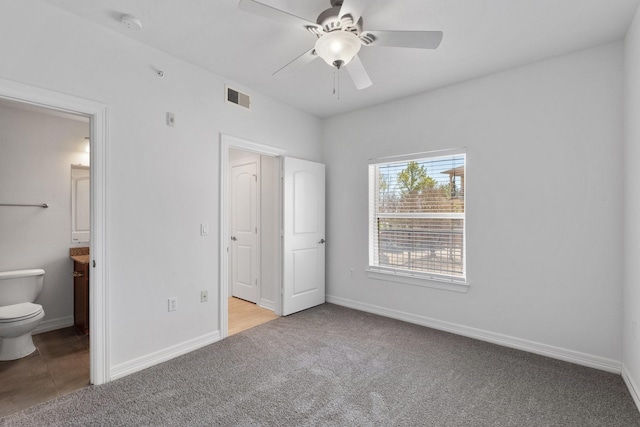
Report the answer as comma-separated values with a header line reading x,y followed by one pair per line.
x,y
417,217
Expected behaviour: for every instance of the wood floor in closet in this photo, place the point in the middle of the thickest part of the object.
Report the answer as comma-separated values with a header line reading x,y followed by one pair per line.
x,y
244,315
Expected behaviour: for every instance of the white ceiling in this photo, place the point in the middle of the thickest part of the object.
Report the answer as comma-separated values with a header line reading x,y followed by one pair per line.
x,y
480,37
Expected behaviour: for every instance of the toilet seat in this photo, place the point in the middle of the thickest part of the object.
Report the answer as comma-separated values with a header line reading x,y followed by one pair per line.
x,y
18,312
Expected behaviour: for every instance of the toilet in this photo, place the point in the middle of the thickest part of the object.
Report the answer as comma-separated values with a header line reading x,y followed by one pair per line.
x,y
19,316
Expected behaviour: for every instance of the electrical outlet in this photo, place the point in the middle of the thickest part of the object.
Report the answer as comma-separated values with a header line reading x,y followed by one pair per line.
x,y
352,273
173,304
204,296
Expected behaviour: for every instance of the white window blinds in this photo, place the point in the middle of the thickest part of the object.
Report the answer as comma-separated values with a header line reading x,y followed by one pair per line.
x,y
417,216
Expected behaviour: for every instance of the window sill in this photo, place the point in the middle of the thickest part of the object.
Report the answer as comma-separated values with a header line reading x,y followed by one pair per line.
x,y
418,281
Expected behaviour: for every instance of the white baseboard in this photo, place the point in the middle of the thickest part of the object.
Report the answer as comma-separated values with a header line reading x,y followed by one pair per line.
x,y
632,386
566,355
143,362
53,324
268,304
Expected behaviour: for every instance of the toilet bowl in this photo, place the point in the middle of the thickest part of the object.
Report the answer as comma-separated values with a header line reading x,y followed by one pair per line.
x,y
19,316
16,324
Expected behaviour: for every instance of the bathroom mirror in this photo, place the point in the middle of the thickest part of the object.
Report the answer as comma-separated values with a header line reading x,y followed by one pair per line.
x,y
80,204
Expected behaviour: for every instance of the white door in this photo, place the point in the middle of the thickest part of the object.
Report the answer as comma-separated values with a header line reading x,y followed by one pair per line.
x,y
244,231
304,216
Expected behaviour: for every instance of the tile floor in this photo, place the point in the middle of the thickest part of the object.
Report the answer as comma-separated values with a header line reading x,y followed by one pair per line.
x,y
59,366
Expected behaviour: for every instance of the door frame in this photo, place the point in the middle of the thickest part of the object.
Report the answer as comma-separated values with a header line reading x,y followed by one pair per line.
x,y
99,285
227,142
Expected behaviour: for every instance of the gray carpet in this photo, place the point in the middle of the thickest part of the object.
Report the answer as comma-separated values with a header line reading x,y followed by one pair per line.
x,y
334,366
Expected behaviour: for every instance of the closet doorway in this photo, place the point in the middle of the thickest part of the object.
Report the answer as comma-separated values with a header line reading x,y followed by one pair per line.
x,y
254,224
264,214
291,240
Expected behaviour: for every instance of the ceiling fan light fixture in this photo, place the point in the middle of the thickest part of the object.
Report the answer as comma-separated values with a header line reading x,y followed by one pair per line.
x,y
338,48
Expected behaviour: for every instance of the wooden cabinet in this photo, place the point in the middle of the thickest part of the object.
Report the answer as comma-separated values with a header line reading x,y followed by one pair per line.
x,y
81,296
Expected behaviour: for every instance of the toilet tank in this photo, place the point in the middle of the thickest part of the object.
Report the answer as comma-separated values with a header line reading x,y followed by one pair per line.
x,y
20,286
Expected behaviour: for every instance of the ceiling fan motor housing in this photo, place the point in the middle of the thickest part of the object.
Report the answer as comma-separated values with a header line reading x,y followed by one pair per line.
x,y
330,20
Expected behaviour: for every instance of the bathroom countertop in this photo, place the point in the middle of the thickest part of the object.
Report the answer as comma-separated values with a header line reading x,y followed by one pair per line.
x,y
82,250
82,259
80,254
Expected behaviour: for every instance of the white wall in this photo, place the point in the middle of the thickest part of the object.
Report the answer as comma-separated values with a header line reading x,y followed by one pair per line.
x,y
163,181
36,153
631,252
270,233
544,200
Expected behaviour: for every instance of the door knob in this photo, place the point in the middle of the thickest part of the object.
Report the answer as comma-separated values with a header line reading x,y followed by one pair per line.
x,y
322,241
234,238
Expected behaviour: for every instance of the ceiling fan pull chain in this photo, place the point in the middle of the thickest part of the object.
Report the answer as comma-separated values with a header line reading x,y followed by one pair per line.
x,y
334,82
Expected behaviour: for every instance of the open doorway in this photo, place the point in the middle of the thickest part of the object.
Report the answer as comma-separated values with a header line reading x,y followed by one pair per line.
x,y
45,221
254,235
96,115
298,249
258,212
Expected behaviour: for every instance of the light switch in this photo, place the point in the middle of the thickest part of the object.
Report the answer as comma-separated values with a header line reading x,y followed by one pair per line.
x,y
171,120
204,229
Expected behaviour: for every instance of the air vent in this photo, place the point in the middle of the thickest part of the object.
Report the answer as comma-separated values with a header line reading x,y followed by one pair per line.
x,y
236,97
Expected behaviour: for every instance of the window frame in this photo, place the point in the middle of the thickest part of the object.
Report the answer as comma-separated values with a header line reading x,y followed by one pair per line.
x,y
416,278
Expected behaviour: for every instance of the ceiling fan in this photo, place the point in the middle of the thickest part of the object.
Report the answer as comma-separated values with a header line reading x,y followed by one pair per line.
x,y
340,36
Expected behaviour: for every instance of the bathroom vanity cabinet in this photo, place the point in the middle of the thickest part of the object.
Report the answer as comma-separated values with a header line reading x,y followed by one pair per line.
x,y
81,293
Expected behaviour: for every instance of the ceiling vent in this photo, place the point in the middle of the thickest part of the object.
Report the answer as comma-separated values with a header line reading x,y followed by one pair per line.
x,y
233,96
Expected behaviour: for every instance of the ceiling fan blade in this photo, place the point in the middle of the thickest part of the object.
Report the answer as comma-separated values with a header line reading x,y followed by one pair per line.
x,y
358,74
274,14
414,39
297,63
353,8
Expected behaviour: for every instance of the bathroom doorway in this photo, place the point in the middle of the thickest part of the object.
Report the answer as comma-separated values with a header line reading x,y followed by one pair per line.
x,y
43,151
95,114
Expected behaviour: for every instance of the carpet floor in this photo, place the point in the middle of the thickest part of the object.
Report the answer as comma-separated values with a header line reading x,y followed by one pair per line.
x,y
335,366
